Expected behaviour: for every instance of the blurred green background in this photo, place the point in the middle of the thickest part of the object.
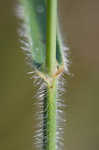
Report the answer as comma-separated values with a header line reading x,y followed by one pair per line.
x,y
80,26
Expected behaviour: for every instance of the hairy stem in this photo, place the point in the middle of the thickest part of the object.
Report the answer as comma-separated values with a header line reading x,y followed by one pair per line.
x,y
50,100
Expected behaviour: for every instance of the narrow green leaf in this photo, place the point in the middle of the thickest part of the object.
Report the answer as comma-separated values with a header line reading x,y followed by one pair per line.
x,y
35,21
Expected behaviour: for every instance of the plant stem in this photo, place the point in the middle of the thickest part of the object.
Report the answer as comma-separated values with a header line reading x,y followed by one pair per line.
x,y
51,36
52,117
50,100
49,124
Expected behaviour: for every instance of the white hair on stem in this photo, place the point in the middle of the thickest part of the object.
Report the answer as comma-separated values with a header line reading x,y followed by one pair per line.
x,y
40,85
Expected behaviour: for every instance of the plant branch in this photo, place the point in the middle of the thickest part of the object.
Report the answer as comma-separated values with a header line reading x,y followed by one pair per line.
x,y
51,36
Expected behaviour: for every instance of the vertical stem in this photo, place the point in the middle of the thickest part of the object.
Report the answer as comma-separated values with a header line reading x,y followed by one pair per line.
x,y
52,117
49,122
51,36
49,140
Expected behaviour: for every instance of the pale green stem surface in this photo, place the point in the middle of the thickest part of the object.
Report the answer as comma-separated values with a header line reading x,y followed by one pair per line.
x,y
51,36
51,68
52,117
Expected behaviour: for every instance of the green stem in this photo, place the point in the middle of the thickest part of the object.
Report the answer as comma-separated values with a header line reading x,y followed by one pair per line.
x,y
49,124
52,117
51,36
50,99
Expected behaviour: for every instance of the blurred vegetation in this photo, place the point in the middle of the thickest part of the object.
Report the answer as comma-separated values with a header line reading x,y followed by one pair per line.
x,y
80,26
